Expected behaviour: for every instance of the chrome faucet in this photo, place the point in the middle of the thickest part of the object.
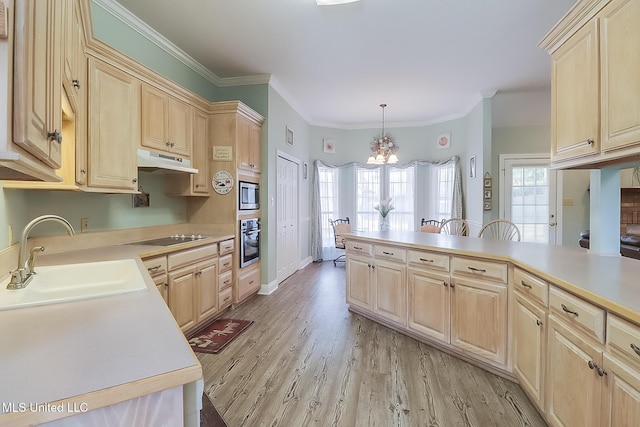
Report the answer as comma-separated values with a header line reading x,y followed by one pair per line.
x,y
21,276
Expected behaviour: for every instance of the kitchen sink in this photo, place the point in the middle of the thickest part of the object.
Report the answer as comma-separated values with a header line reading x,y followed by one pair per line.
x,y
72,282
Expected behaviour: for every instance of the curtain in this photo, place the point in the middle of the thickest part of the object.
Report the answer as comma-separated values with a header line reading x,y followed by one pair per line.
x,y
316,220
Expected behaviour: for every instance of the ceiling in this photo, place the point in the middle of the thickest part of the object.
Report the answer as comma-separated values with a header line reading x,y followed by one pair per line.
x,y
428,60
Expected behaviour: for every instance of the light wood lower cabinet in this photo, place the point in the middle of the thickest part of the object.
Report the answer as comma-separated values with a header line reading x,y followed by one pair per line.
x,y
479,318
182,292
359,281
529,348
620,394
573,386
429,303
390,290
248,282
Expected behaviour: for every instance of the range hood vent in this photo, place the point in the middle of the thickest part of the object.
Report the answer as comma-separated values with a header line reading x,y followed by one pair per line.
x,y
156,162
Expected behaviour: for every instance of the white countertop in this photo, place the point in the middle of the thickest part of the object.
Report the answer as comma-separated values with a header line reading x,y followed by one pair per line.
x,y
610,281
60,351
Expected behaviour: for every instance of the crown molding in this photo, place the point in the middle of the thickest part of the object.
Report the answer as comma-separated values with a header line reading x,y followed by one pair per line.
x,y
129,19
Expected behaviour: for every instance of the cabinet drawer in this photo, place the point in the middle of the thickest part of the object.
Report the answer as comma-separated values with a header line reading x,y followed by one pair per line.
x,y
480,268
429,260
225,280
226,247
225,298
528,284
624,337
390,253
156,266
576,311
182,258
225,263
248,283
358,247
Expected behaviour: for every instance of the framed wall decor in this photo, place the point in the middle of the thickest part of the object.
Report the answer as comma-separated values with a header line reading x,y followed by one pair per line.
x,y
487,194
289,136
328,145
487,205
472,167
487,180
443,140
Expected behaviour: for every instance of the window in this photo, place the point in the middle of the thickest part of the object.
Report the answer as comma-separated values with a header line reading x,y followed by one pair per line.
x,y
329,197
401,189
442,191
368,195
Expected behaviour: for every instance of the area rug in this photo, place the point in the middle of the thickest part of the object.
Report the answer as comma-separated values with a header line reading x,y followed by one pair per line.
x,y
218,335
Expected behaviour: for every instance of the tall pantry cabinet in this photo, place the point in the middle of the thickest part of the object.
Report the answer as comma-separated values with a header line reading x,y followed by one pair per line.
x,y
235,149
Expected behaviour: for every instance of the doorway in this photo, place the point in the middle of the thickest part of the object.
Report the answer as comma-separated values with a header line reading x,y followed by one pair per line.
x,y
529,191
288,251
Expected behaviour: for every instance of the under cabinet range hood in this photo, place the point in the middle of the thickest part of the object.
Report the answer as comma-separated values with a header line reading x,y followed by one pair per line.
x,y
156,162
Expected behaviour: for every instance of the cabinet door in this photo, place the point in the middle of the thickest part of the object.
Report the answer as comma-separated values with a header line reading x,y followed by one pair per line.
x,y
575,82
154,122
572,388
207,288
479,318
429,304
390,291
243,139
256,143
201,153
37,82
621,394
620,68
78,90
181,297
114,111
180,127
359,282
529,348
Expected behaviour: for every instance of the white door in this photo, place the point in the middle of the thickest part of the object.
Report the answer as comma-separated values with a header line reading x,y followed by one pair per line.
x,y
287,213
528,198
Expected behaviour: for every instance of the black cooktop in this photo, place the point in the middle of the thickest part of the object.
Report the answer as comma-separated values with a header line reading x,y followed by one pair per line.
x,y
171,240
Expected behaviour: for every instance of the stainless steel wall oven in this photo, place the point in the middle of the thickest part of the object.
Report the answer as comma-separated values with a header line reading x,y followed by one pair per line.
x,y
249,241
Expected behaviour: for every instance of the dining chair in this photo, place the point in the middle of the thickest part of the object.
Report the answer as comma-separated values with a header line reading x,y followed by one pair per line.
x,y
340,226
500,229
455,227
430,226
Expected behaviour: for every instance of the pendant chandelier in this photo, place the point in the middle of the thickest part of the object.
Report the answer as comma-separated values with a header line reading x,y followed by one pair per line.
x,y
383,147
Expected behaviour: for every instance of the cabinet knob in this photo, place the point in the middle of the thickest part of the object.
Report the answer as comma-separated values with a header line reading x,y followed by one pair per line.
x,y
134,180
590,141
445,284
451,285
525,284
538,322
76,83
82,171
167,143
56,136
635,348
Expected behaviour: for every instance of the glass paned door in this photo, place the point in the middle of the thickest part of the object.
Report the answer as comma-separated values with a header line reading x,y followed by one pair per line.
x,y
530,199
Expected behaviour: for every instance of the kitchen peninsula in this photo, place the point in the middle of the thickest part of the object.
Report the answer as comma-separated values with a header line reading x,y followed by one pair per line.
x,y
511,308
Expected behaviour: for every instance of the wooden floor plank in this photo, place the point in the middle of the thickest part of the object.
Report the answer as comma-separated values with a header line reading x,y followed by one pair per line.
x,y
308,361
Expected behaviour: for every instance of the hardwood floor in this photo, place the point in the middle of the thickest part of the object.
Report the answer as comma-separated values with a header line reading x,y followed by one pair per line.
x,y
308,361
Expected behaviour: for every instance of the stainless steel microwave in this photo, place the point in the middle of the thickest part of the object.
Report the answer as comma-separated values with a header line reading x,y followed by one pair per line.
x,y
249,196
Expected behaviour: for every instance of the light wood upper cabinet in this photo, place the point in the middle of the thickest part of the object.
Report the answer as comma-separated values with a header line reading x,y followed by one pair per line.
x,y
575,106
620,68
200,182
595,85
114,111
248,134
167,123
37,85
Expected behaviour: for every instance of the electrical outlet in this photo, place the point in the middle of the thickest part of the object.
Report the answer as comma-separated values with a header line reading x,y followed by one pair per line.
x,y
567,202
84,225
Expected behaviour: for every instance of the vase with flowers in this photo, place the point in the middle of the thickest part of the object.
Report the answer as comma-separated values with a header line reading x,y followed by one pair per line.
x,y
384,208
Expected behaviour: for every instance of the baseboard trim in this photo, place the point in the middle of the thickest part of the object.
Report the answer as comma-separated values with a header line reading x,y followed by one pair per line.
x,y
303,263
269,288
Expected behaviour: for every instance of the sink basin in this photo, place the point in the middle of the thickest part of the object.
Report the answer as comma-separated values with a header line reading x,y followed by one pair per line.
x,y
71,282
